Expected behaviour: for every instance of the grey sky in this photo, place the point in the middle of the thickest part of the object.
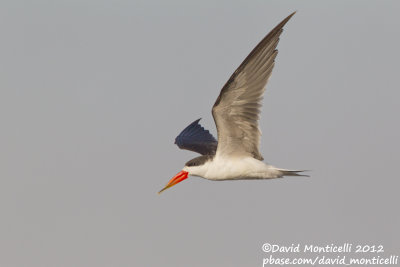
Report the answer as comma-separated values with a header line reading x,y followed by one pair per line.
x,y
93,93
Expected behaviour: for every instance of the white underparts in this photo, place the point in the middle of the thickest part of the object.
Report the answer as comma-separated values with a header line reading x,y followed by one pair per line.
x,y
234,169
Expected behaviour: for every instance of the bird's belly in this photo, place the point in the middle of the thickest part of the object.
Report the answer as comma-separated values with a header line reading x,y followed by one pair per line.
x,y
241,168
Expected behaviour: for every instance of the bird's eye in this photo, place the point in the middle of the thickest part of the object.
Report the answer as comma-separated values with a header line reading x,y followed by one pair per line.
x,y
191,163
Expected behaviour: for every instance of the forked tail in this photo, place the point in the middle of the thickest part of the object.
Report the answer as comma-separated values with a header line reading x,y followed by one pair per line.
x,y
293,173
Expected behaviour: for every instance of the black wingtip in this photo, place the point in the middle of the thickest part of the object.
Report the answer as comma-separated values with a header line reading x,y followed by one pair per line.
x,y
291,15
284,21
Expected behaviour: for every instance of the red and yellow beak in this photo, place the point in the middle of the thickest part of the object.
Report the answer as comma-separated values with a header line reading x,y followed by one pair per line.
x,y
179,177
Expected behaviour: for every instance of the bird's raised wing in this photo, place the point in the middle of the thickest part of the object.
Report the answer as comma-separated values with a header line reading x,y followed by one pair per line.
x,y
196,138
237,108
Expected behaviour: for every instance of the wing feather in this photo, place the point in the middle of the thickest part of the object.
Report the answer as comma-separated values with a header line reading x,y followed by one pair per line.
x,y
195,138
237,109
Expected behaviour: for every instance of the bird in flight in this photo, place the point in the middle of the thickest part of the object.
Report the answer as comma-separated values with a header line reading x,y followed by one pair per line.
x,y
236,155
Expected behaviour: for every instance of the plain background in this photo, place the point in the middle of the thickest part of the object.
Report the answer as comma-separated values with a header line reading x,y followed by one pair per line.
x,y
93,93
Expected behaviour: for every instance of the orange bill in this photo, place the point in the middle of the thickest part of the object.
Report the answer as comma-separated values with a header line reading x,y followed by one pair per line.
x,y
179,177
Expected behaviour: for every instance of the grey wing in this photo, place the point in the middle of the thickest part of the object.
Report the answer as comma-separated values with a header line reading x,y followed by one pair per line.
x,y
195,138
237,108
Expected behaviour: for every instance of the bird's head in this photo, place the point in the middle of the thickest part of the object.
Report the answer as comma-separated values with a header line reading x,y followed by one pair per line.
x,y
196,167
